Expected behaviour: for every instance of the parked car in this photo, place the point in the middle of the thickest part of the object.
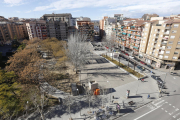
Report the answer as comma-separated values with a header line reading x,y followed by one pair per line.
x,y
127,54
142,62
157,79
136,59
150,66
131,57
173,73
140,67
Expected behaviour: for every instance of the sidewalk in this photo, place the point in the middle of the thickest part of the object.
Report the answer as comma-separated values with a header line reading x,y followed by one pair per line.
x,y
119,83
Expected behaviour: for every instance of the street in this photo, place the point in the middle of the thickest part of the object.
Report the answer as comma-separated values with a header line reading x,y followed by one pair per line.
x,y
165,108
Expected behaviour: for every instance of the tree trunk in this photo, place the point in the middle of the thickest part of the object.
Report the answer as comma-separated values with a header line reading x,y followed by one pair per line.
x,y
119,60
112,56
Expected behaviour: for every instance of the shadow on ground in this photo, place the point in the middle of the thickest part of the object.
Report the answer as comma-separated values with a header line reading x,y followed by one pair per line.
x,y
135,97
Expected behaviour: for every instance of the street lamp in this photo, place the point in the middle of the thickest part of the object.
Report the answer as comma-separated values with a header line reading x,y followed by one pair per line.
x,y
78,91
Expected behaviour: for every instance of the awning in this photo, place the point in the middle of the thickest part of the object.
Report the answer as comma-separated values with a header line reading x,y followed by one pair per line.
x,y
132,26
124,33
135,47
129,35
138,35
123,39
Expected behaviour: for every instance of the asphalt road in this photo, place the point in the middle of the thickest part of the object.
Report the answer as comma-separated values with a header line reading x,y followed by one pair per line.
x,y
165,108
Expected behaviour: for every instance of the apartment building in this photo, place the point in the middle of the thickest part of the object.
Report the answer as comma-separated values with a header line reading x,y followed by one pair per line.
x,y
12,30
148,16
37,29
57,29
160,45
66,17
129,35
96,28
119,17
101,24
108,25
86,28
4,33
3,19
57,24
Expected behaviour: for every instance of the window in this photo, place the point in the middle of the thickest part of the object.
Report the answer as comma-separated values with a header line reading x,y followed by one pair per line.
x,y
174,58
165,56
161,35
172,37
146,24
176,25
174,31
155,30
164,25
176,52
152,43
167,52
168,47
154,34
170,42
145,33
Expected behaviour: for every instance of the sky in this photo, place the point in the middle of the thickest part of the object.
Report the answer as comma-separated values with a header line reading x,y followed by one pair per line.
x,y
94,9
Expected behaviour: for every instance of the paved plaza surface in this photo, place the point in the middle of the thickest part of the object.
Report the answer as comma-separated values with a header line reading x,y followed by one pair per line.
x,y
119,82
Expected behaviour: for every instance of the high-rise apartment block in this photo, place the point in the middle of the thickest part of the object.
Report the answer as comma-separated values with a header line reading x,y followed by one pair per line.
x,y
57,25
86,28
148,16
12,30
160,45
37,29
130,35
119,17
101,24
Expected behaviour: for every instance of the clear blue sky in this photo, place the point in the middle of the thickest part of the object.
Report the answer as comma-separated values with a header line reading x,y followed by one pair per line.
x,y
95,9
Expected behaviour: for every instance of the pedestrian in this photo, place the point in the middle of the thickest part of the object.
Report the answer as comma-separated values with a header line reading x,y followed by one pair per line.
x,y
113,96
142,80
148,96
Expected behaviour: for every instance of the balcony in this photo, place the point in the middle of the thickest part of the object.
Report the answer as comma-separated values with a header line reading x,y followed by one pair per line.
x,y
158,24
162,52
157,36
168,27
166,33
163,43
162,48
160,57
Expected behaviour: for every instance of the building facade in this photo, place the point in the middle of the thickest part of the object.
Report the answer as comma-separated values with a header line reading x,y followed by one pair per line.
x,y
148,16
12,30
57,25
86,28
129,36
37,29
119,17
161,43
101,24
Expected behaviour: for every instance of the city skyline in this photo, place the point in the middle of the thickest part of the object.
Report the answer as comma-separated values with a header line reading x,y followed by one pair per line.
x,y
87,8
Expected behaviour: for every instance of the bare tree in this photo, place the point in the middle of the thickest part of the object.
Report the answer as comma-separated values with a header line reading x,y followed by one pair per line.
x,y
110,42
76,50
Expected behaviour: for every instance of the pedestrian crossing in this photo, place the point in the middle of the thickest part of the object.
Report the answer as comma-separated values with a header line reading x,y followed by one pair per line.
x,y
165,106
